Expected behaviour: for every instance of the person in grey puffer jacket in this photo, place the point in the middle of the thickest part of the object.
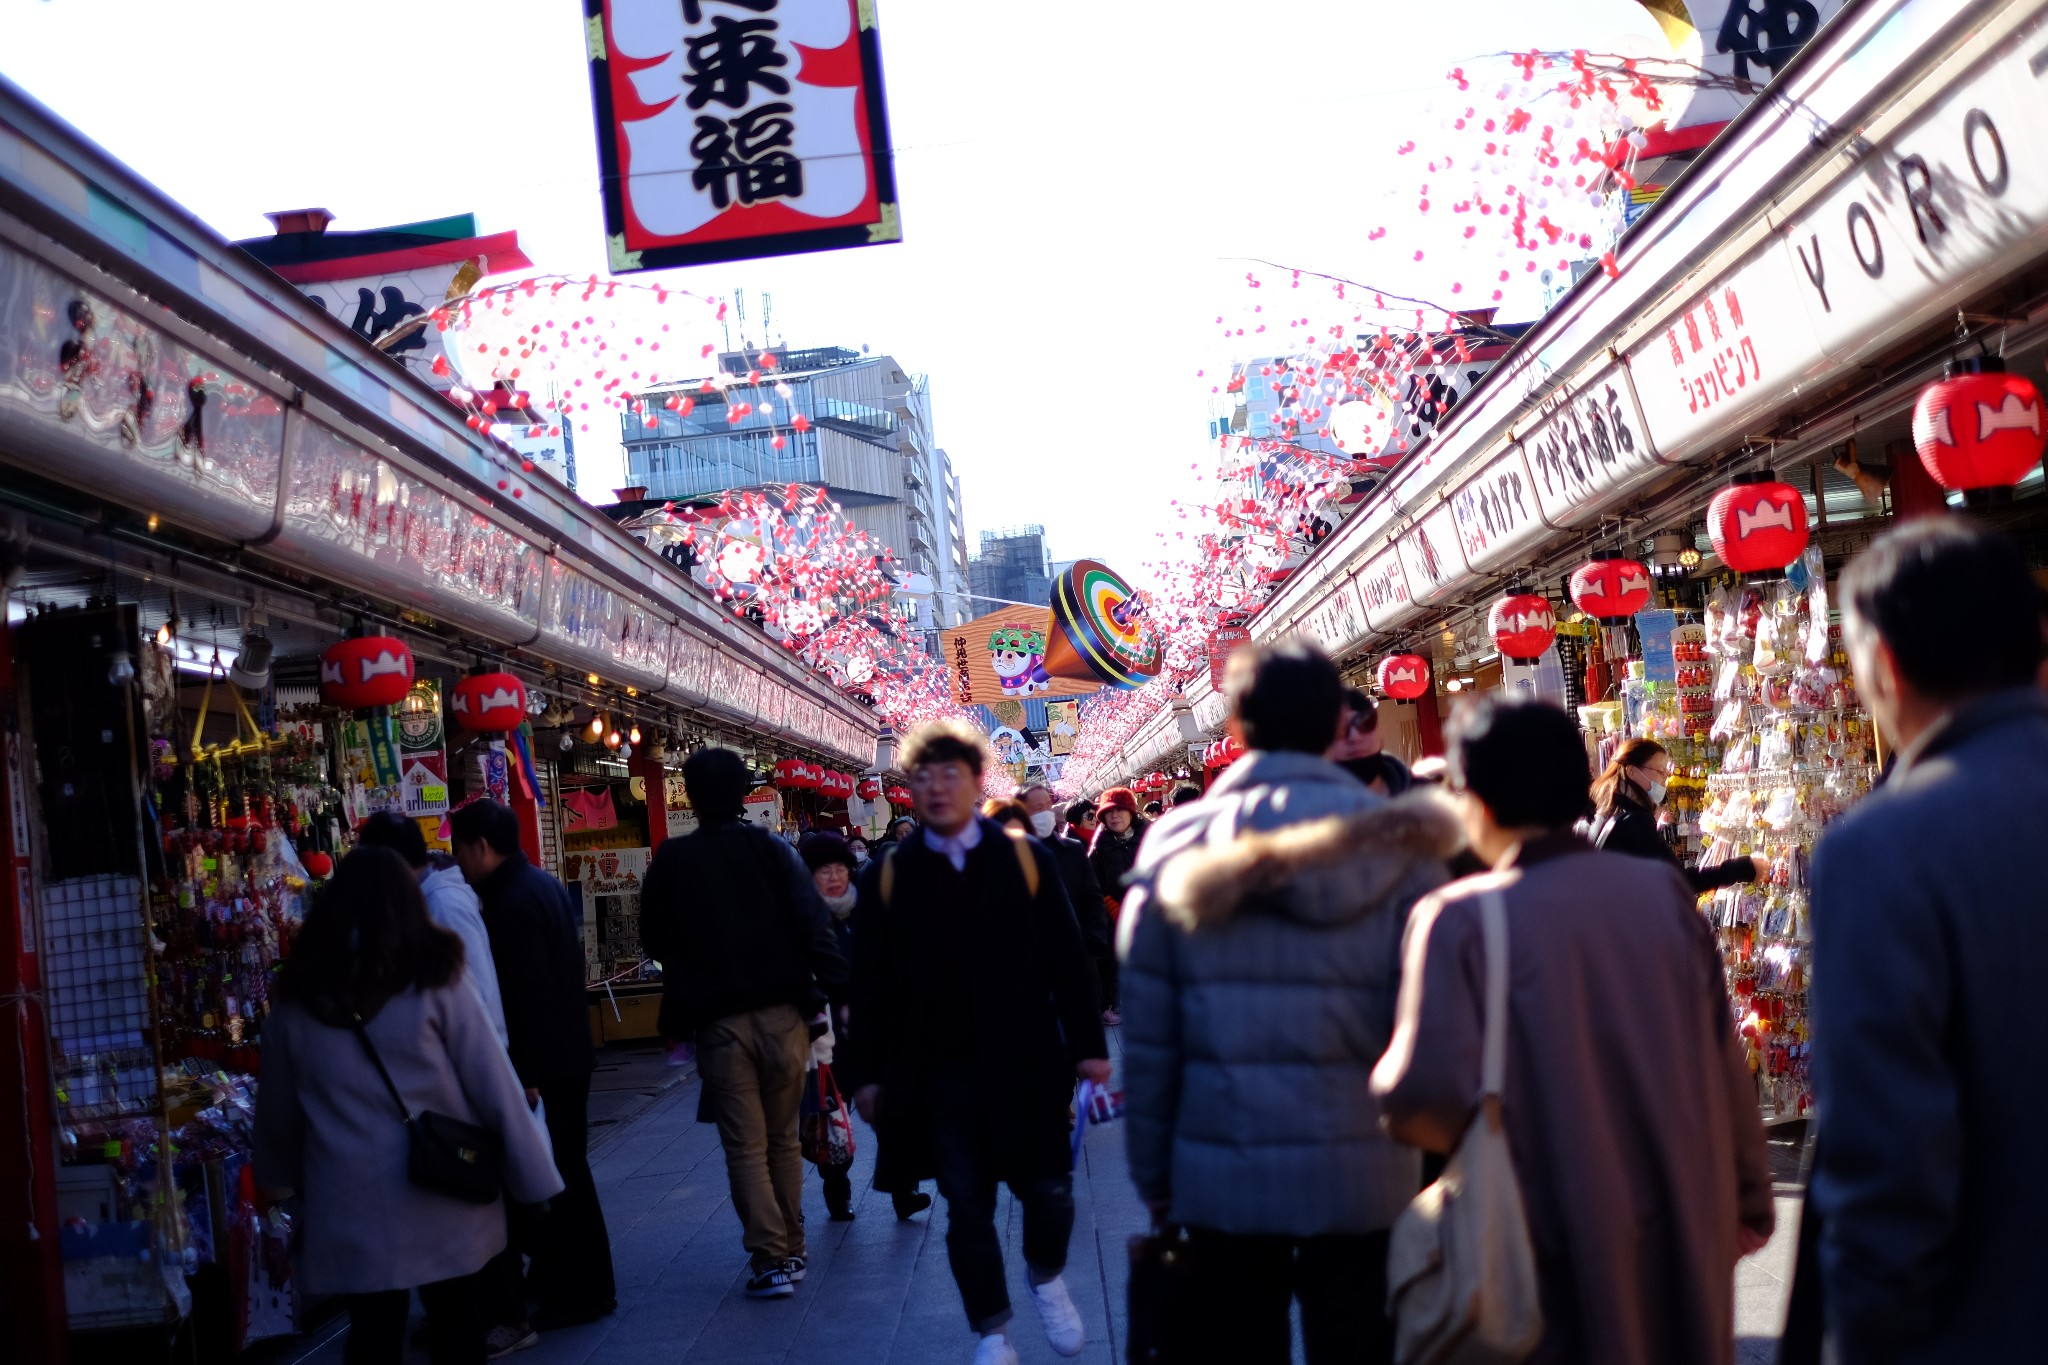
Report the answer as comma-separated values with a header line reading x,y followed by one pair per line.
x,y
1262,941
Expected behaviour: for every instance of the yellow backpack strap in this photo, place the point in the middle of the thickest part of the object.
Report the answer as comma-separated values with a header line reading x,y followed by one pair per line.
x,y
888,876
1028,864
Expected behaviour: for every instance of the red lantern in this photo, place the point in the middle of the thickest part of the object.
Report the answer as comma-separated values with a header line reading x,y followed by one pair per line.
x,y
1522,626
366,671
1758,525
789,774
870,788
811,778
1404,677
1610,589
489,702
1979,430
899,796
319,864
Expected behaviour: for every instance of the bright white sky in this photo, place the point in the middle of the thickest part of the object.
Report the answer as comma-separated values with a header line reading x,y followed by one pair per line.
x,y
1076,179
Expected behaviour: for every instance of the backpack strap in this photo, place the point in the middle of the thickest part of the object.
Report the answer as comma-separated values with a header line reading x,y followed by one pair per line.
x,y
1026,863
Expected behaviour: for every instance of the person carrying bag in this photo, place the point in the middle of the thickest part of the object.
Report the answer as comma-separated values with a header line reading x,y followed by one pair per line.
x,y
1461,1275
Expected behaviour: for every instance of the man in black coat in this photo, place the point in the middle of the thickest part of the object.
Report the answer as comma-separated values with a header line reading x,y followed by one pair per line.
x,y
974,1009
1084,893
746,948
537,947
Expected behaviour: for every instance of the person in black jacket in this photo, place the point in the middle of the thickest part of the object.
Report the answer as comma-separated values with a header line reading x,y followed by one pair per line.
x,y
746,946
1084,893
1112,853
1626,796
973,1011
537,948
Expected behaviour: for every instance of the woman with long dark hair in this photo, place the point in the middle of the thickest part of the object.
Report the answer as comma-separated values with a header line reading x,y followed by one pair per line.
x,y
1625,800
369,962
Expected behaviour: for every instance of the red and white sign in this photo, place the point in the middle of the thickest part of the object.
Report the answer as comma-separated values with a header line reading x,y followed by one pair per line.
x,y
731,129
1223,642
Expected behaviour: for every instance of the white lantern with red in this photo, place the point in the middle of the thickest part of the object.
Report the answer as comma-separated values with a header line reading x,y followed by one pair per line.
x,y
1522,625
1758,525
1404,677
1979,431
490,703
870,788
1610,588
366,671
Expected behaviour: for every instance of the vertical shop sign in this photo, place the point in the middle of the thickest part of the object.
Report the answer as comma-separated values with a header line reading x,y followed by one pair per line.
x,y
423,751
1655,630
730,129
1223,642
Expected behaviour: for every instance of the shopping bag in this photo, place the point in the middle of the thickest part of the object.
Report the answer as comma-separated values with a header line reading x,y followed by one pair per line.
x,y
825,1129
1158,1258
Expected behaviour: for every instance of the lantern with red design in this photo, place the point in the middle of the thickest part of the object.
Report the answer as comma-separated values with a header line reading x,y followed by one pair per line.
x,y
1522,625
1979,431
491,703
366,671
899,796
1758,525
789,774
1610,588
870,788
1233,750
1404,677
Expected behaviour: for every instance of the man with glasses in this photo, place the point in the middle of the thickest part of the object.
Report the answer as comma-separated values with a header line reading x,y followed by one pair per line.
x,y
1360,749
974,1010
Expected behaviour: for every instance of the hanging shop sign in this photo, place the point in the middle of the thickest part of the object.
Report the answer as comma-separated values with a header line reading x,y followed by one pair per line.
x,y
422,751
599,627
1337,622
1223,642
1383,590
1588,447
1063,726
1430,557
731,129
1002,655
1497,513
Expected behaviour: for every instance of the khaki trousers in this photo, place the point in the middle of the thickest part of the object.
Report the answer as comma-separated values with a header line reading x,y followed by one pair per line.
x,y
753,1070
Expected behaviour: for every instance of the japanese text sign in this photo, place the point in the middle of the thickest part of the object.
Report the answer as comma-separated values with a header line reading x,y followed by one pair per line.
x,y
1590,443
730,129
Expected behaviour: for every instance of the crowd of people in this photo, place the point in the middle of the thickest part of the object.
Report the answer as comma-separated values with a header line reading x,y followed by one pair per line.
x,y
1327,968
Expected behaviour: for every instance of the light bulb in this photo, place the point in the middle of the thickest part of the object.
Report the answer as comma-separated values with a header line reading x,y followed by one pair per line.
x,y
568,741
625,752
167,630
613,739
633,735
120,670
597,727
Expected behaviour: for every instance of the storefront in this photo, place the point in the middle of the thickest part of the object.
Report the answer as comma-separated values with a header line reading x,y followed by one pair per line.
x,y
262,582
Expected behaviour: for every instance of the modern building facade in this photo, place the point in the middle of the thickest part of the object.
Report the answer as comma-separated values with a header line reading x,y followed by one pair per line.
x,y
865,437
1013,566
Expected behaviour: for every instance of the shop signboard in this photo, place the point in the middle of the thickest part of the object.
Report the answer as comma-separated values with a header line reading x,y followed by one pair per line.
x,y
1223,642
1063,724
1430,557
1496,512
422,751
1383,590
1336,622
730,129
1654,629
604,629
1588,446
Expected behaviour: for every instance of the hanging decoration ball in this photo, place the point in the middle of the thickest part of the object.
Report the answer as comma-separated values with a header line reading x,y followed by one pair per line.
x,y
319,864
1404,677
489,702
1758,525
1611,588
366,671
870,788
1522,625
1979,431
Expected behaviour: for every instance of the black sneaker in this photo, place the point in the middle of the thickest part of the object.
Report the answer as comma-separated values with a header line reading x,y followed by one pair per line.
x,y
841,1215
908,1206
794,1268
772,1283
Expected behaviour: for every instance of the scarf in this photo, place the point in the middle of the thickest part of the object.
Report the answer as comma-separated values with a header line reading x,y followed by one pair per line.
x,y
842,905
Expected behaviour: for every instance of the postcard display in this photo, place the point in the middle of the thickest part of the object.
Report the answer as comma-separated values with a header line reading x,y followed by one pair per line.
x,y
1761,763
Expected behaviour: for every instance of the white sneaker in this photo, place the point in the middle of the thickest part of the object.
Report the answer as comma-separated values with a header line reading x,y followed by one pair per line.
x,y
995,1350
1062,1320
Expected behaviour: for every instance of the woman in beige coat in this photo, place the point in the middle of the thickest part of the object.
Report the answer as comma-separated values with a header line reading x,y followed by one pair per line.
x,y
328,1127
1628,1104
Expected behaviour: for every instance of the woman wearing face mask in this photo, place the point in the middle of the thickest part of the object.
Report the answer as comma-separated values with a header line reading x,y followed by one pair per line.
x,y
832,867
1626,796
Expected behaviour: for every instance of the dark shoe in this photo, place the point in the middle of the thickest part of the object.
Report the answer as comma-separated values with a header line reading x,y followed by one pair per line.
x,y
841,1215
554,1319
503,1341
772,1283
910,1205
794,1268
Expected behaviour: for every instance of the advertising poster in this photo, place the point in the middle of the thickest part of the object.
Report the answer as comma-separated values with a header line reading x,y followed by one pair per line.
x,y
1223,642
1062,726
1654,629
422,751
1001,656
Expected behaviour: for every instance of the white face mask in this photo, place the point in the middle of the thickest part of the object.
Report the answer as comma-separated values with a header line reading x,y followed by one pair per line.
x,y
1042,823
1656,791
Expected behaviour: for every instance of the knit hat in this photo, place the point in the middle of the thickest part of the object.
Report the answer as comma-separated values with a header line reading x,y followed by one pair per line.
x,y
823,849
1117,798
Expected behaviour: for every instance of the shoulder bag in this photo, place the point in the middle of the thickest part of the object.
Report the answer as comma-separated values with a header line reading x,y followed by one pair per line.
x,y
449,1156
1461,1275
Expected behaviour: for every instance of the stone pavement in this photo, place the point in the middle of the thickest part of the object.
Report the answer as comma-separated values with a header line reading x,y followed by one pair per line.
x,y
878,1290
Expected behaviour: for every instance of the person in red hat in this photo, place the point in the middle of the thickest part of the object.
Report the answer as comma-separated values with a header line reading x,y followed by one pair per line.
x,y
1119,831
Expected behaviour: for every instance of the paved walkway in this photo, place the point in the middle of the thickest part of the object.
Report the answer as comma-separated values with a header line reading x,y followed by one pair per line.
x,y
878,1290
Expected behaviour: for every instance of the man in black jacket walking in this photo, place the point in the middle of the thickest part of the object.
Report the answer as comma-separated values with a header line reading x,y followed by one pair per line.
x,y
974,1009
746,948
1084,893
537,948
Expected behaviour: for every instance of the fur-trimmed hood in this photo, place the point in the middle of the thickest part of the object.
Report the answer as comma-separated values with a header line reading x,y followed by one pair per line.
x,y
1328,871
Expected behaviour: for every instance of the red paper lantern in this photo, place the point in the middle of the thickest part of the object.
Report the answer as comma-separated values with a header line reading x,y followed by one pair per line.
x,y
870,788
899,796
810,776
1404,677
1758,524
1522,626
489,702
319,864
1979,430
1610,589
366,671
790,773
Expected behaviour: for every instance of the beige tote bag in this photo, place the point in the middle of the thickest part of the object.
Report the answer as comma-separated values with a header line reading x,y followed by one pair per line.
x,y
1461,1277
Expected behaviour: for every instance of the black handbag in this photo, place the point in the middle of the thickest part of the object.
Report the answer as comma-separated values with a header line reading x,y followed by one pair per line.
x,y
1159,1259
449,1156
